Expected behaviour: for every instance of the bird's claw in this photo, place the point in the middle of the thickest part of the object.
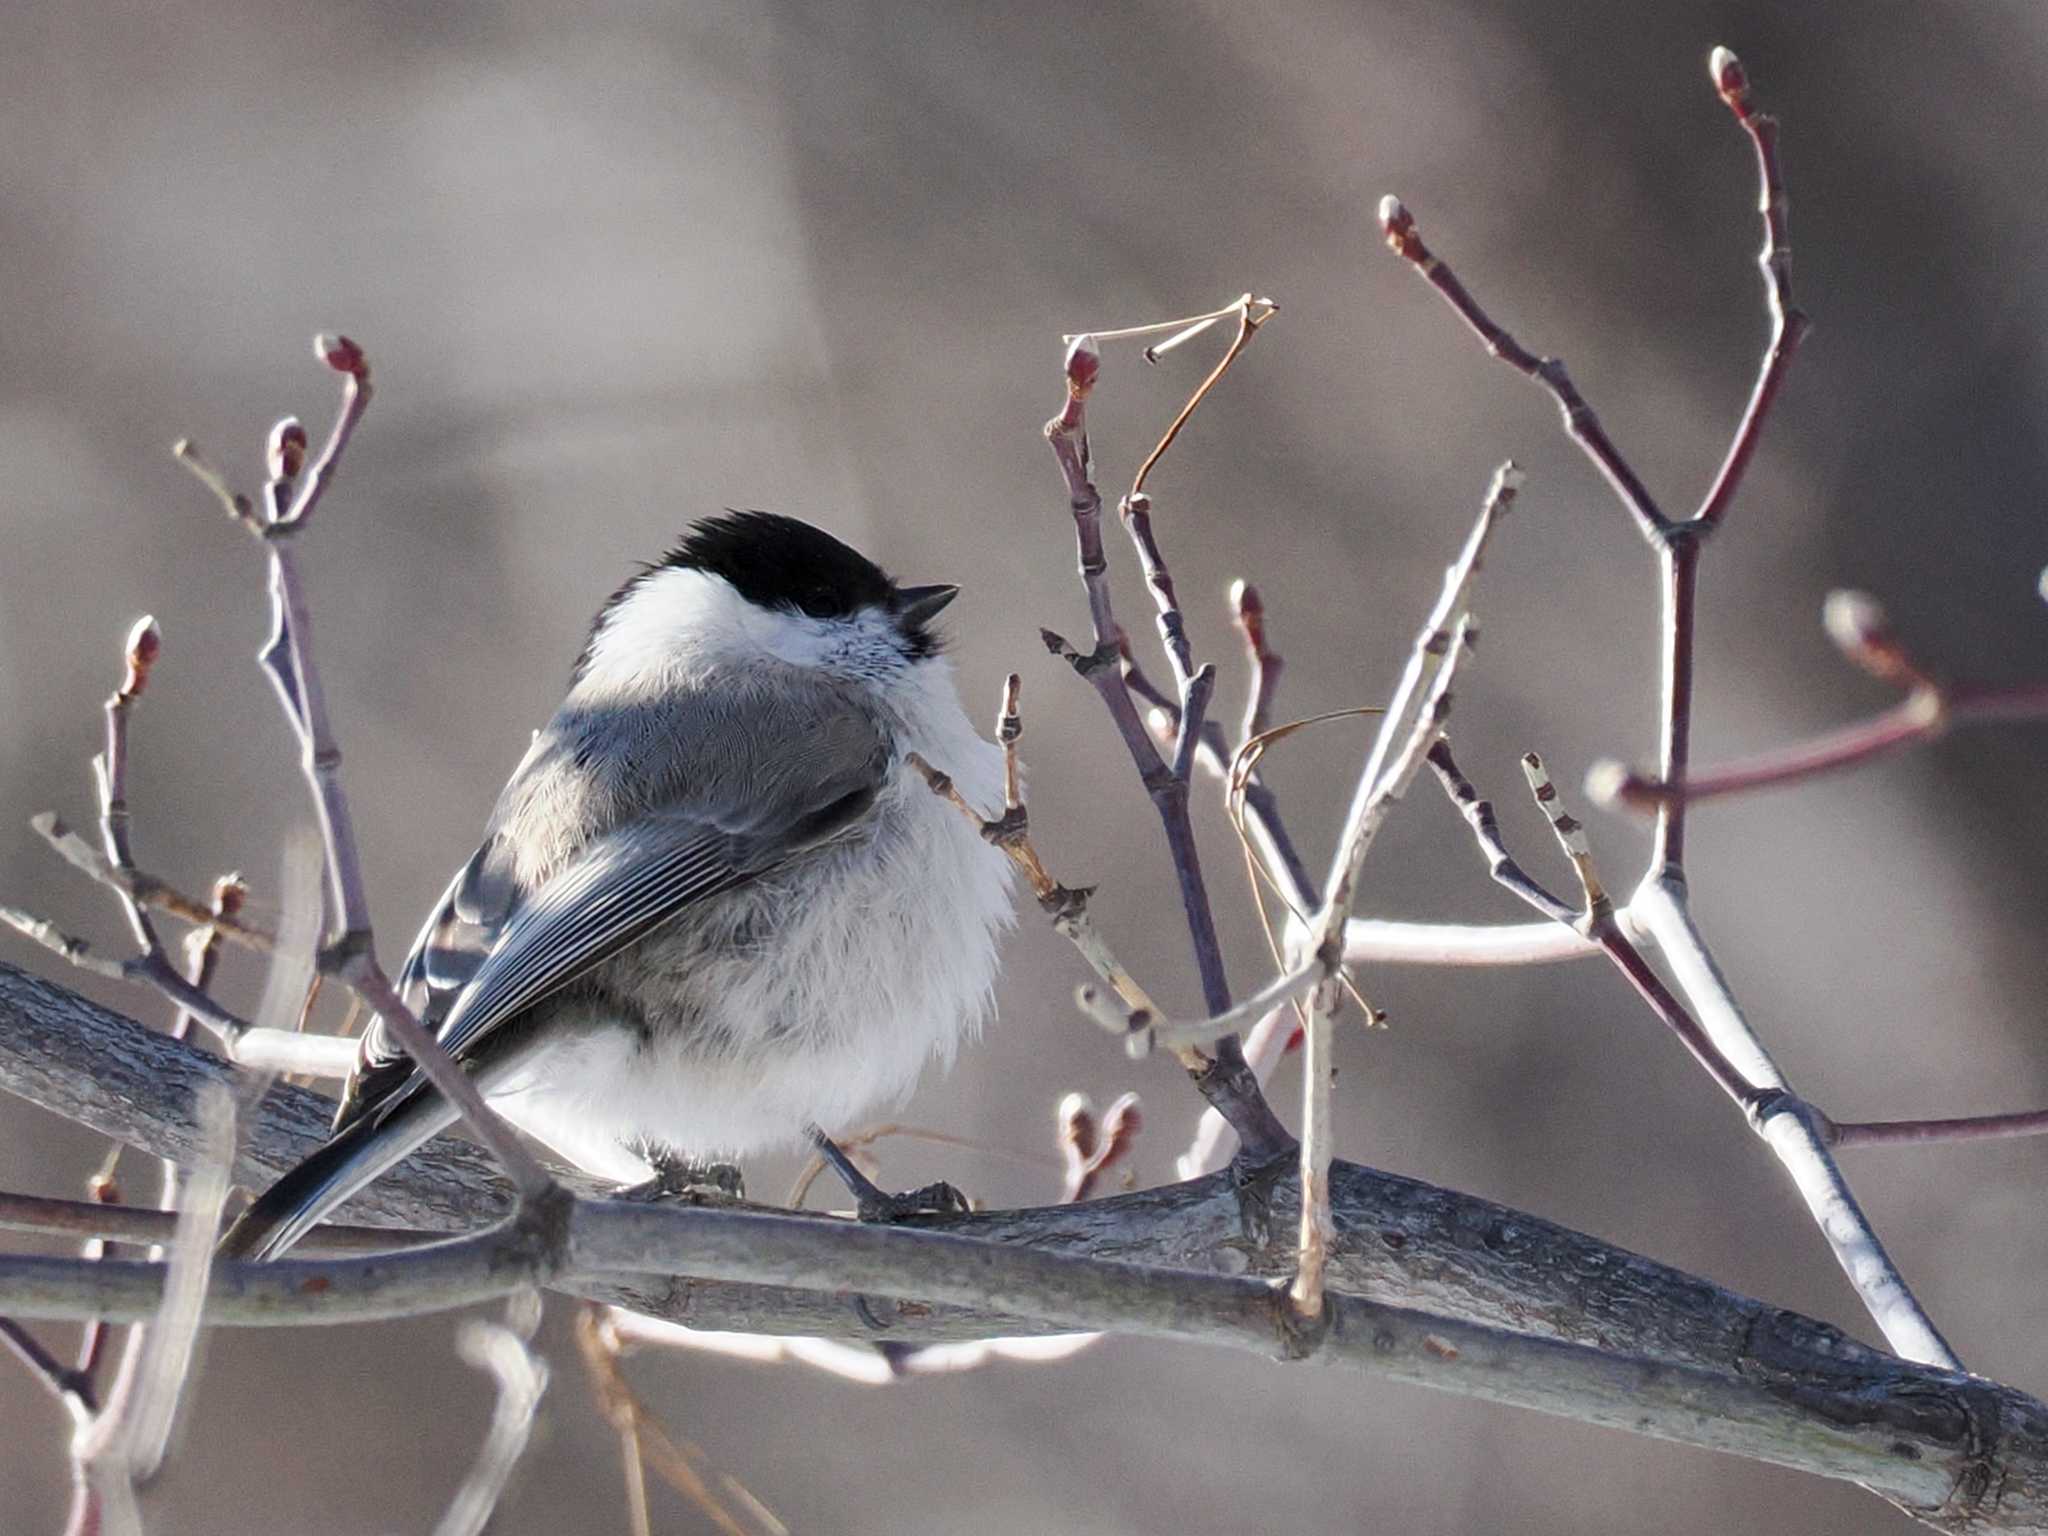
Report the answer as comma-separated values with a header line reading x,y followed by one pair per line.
x,y
678,1178
940,1199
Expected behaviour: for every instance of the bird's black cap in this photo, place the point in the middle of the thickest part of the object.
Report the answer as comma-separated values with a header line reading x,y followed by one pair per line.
x,y
783,562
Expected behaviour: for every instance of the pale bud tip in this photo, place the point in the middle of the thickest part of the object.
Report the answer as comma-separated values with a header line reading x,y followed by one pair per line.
x,y
2042,584
145,640
1604,781
1855,621
1392,213
286,452
341,354
1084,364
1728,75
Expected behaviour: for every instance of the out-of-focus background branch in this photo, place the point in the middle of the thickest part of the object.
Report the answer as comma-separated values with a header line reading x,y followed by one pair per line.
x,y
624,266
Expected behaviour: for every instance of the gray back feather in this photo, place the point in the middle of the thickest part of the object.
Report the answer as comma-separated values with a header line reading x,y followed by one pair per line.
x,y
622,813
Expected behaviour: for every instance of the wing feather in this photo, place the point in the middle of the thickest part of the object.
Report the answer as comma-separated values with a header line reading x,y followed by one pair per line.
x,y
488,952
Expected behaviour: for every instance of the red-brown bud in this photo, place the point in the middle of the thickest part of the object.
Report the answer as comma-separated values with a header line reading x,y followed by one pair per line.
x,y
341,354
145,643
1084,366
286,451
1730,79
1857,624
229,892
1077,1138
1399,226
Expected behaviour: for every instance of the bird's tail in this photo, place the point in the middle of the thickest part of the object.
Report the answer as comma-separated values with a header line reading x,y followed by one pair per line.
x,y
295,1203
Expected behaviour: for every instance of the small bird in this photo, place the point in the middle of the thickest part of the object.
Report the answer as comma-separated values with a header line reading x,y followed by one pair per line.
x,y
713,910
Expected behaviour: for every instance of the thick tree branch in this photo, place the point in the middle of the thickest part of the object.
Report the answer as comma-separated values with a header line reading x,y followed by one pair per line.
x,y
1675,1349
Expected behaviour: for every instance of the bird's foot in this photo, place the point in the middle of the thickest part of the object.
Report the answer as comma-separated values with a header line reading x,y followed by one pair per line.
x,y
873,1203
940,1199
678,1178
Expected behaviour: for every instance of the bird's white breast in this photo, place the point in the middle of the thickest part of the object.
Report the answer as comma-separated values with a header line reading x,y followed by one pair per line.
x,y
822,1015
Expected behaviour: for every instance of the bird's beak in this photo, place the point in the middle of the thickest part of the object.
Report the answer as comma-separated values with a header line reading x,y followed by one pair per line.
x,y
920,605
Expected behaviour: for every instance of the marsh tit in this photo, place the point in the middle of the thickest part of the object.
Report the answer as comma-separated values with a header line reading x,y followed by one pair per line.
x,y
713,908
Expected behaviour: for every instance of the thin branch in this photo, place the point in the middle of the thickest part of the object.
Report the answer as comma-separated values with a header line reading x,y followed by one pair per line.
x,y
1659,910
1788,1125
1224,1080
1065,907
1900,1133
151,1227
1580,424
288,659
602,1335
1788,322
1860,630
72,1389
504,1352
318,1056
1410,727
1372,940
153,893
1263,1048
1142,1030
1479,816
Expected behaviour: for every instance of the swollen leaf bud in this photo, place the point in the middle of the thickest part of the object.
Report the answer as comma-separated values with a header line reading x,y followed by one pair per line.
x,y
145,643
1856,623
1076,1118
286,452
1730,79
1399,225
341,354
1084,365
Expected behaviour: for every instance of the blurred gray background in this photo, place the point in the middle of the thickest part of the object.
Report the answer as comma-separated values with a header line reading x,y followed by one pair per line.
x,y
620,266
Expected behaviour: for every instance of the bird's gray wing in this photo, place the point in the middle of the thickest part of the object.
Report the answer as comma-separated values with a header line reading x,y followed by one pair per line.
x,y
488,953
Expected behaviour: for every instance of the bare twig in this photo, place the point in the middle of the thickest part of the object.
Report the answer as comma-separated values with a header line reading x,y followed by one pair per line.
x,y
1900,1133
1579,421
121,1448
1788,323
504,1351
71,1388
153,893
1859,628
1412,723
1658,912
1789,1126
288,659
602,1335
1222,1076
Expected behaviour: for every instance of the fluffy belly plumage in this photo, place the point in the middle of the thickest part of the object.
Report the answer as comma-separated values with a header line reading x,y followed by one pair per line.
x,y
813,997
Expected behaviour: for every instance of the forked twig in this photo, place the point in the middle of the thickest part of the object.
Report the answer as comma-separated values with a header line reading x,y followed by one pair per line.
x,y
1931,708
1659,910
1221,1074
